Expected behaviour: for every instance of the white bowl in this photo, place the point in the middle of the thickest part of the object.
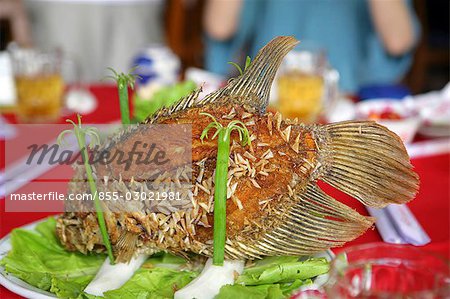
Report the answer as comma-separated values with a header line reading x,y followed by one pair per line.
x,y
406,127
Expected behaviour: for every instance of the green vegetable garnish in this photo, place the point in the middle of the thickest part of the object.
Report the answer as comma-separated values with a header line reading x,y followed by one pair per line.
x,y
81,133
274,277
123,81
220,187
248,61
263,291
164,97
158,283
38,258
283,272
237,291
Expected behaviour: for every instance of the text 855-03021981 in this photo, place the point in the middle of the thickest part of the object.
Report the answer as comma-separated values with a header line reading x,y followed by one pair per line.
x,y
150,195
102,195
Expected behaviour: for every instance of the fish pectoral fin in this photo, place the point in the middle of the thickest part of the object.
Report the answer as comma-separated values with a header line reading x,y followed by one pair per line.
x,y
368,162
125,247
316,223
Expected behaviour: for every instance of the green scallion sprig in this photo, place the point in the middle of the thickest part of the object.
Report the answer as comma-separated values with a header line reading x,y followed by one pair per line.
x,y
123,81
248,61
220,180
81,133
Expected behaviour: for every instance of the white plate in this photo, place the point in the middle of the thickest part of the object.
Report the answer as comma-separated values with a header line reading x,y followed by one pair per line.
x,y
14,284
22,288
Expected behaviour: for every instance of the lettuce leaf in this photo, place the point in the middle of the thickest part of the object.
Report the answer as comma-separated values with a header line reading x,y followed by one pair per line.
x,y
236,291
164,97
274,260
288,288
283,269
152,283
274,277
165,258
264,291
38,258
70,288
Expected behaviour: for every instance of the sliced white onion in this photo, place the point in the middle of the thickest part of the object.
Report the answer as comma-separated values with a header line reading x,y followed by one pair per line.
x,y
111,277
207,285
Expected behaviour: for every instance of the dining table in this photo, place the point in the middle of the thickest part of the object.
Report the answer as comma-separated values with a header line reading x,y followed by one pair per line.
x,y
431,206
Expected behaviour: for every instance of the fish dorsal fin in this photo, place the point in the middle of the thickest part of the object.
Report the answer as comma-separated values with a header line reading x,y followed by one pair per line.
x,y
253,86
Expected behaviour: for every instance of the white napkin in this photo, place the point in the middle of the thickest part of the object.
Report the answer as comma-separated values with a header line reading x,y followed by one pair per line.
x,y
7,131
397,224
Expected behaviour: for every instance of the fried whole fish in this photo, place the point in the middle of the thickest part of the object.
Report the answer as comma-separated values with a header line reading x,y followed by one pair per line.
x,y
274,205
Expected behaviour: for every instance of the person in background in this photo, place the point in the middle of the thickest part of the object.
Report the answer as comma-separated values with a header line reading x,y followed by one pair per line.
x,y
14,18
368,42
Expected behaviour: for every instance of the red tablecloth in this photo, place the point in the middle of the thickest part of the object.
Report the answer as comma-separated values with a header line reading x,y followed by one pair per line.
x,y
431,206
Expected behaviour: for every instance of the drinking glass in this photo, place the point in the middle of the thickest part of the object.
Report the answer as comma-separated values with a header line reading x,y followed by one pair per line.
x,y
39,84
306,85
381,270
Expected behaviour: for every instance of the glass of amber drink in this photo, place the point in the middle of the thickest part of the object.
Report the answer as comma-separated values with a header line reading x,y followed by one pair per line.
x,y
39,85
306,85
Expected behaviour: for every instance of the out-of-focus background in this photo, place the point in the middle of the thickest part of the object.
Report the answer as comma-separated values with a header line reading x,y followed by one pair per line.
x,y
101,33
55,52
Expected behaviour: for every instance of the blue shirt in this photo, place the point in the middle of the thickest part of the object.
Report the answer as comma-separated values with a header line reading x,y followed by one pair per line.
x,y
342,28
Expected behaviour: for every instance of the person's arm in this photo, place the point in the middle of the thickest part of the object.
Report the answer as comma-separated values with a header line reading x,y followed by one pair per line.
x,y
221,18
14,11
393,24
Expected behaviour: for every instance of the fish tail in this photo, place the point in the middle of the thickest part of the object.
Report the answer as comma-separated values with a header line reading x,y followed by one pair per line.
x,y
368,162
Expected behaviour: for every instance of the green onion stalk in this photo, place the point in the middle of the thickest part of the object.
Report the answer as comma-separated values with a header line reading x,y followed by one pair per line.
x,y
220,180
248,61
81,133
123,81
